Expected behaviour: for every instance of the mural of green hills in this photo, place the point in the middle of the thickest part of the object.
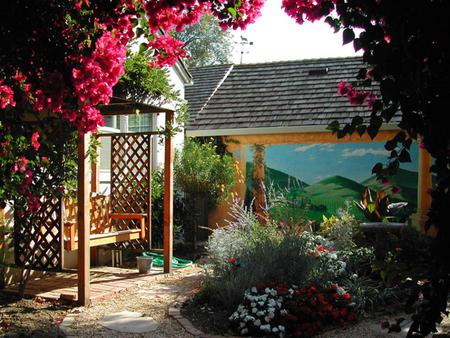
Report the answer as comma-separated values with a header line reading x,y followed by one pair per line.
x,y
279,179
331,193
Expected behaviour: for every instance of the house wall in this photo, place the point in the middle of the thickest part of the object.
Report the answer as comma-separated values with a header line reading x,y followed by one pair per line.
x,y
312,158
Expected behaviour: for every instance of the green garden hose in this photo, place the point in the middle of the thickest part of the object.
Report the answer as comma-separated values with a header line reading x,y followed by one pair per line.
x,y
158,260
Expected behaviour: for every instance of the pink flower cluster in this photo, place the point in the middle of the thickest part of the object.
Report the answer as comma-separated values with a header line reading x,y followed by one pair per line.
x,y
170,15
167,50
6,96
95,77
311,10
246,12
356,97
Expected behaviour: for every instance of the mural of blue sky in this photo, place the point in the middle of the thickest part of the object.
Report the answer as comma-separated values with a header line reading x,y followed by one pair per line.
x,y
312,163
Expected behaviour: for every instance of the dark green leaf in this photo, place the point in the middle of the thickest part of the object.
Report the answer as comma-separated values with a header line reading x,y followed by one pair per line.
x,y
394,154
372,130
357,44
340,134
389,112
361,130
390,145
348,36
334,126
404,156
377,168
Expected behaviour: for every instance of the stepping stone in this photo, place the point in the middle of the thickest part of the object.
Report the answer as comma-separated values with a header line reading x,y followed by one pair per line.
x,y
129,322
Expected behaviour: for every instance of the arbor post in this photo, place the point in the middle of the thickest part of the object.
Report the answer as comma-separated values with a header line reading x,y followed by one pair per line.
x,y
84,224
168,194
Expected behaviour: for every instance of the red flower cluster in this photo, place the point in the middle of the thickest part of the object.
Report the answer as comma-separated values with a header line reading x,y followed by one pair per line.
x,y
311,10
6,96
356,97
311,308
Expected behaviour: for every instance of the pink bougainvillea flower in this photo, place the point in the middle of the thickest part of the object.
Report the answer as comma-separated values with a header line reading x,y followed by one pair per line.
x,y
34,141
6,96
167,50
311,10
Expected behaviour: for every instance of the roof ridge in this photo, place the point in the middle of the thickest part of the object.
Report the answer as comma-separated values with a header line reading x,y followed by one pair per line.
x,y
212,66
215,89
336,58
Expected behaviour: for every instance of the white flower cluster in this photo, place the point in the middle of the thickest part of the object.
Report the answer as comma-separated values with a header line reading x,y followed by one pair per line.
x,y
330,259
258,311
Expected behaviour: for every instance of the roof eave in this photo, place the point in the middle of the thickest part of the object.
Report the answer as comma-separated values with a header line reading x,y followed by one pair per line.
x,y
268,130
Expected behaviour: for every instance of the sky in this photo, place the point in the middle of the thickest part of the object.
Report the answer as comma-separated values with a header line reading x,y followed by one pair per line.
x,y
312,163
277,37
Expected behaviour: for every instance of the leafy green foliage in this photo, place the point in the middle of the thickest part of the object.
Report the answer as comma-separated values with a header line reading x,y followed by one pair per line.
x,y
200,171
206,43
141,82
179,210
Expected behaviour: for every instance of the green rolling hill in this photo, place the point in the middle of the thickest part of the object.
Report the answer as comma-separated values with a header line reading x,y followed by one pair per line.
x,y
333,191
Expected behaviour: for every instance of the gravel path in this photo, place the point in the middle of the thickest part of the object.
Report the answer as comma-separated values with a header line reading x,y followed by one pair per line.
x,y
152,300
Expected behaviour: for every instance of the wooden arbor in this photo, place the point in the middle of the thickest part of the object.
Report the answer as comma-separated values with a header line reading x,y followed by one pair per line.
x,y
121,107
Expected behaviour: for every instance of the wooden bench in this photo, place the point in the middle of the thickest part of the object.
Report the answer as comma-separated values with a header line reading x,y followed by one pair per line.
x,y
102,230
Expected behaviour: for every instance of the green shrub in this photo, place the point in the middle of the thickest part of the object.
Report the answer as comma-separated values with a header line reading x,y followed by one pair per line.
x,y
179,210
246,253
200,171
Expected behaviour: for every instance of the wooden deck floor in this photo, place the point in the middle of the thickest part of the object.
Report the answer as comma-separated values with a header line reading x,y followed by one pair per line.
x,y
105,282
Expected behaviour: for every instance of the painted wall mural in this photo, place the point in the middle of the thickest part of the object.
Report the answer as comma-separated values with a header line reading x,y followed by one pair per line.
x,y
327,175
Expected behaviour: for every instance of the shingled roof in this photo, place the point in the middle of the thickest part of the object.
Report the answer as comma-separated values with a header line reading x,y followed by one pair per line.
x,y
277,95
207,80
